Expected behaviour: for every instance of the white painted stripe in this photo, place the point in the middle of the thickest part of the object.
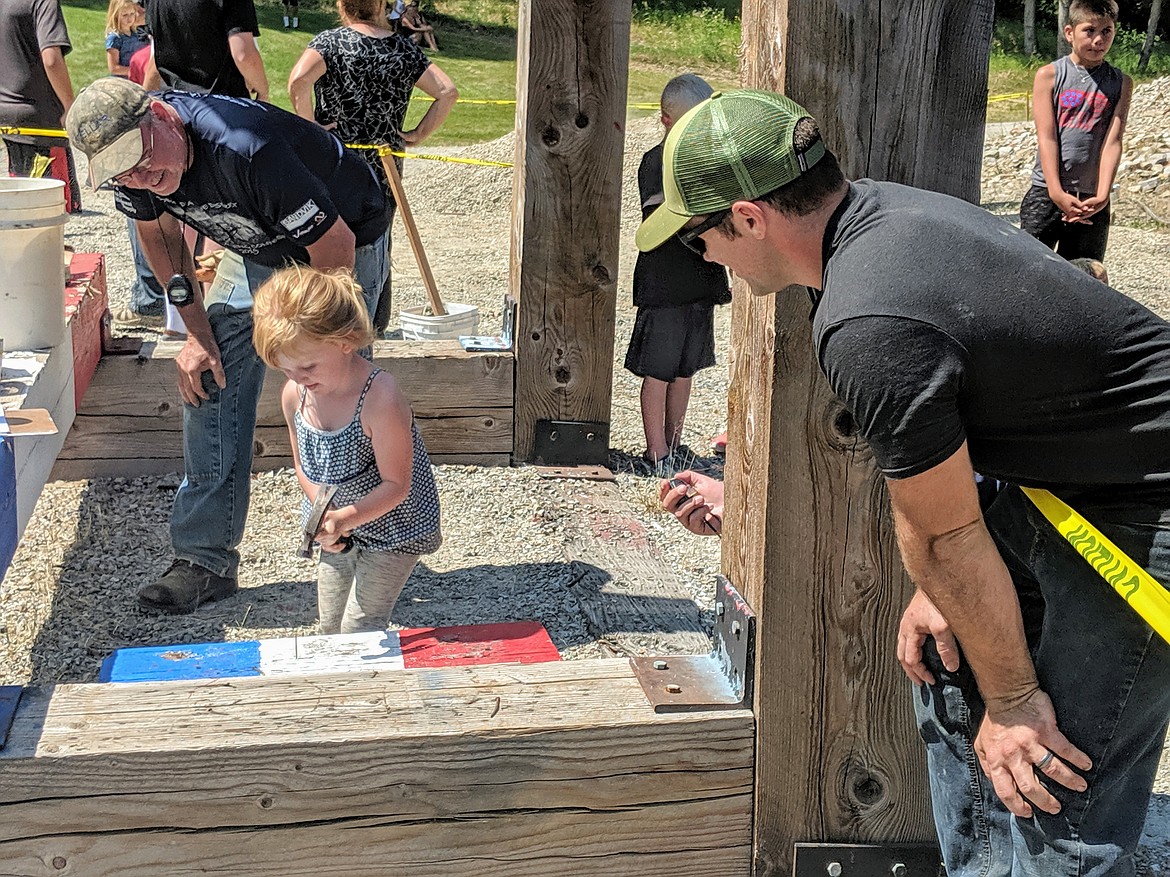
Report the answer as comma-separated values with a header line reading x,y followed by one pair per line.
x,y
338,653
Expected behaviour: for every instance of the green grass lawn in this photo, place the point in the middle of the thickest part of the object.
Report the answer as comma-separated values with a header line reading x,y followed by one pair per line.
x,y
477,41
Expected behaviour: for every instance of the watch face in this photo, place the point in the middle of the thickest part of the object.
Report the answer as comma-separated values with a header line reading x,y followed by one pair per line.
x,y
179,291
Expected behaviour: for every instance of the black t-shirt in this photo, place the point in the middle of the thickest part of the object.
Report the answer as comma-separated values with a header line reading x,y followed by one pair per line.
x,y
191,47
672,274
27,98
263,182
941,323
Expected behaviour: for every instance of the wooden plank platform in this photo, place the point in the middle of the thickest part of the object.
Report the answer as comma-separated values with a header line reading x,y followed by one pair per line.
x,y
518,770
131,420
520,642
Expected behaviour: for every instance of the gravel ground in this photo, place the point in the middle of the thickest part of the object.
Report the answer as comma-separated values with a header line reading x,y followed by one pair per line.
x,y
68,599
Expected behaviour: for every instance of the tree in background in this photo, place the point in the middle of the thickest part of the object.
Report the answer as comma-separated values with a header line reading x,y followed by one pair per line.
x,y
1151,35
1029,27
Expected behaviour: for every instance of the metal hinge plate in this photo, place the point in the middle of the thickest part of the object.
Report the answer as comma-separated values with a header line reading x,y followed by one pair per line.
x,y
570,443
721,680
866,860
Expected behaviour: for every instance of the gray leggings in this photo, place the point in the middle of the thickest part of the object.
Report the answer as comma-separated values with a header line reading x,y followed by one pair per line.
x,y
357,589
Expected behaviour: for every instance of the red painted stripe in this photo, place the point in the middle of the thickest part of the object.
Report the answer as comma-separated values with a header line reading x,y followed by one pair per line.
x,y
518,642
85,303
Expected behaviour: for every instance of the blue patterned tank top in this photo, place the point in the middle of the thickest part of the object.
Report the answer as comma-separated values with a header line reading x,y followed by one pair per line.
x,y
345,457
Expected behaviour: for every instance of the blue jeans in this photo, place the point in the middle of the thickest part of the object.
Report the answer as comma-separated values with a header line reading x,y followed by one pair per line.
x,y
207,522
146,293
1108,675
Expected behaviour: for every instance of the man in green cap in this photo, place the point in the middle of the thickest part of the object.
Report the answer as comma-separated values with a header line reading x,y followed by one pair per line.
x,y
1043,699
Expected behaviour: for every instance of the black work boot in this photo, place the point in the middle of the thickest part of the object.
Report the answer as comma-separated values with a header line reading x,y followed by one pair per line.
x,y
184,587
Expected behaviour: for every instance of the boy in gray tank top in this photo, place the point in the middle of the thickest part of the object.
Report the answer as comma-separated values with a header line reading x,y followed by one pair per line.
x,y
1080,103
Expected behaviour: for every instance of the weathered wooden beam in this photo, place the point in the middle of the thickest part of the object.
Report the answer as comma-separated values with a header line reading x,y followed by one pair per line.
x,y
571,76
131,422
808,539
500,770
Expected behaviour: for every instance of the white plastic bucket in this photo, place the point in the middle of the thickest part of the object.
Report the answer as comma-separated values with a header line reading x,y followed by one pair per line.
x,y
460,319
32,245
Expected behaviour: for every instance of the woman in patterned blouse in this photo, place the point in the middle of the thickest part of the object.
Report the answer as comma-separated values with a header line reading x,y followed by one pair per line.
x,y
362,75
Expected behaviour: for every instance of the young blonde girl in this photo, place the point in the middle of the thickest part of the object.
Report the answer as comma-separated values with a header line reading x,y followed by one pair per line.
x,y
351,426
125,34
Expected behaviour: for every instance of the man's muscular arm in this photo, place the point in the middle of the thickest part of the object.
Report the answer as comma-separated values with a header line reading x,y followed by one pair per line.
x,y
951,557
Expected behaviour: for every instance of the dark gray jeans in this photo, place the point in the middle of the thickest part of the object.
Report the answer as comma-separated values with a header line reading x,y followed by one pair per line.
x,y
1108,675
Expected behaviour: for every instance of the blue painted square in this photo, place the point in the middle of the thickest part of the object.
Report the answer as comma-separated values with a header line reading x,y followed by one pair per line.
x,y
7,504
195,661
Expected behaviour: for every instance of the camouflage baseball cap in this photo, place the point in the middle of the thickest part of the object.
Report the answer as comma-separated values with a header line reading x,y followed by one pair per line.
x,y
735,146
104,124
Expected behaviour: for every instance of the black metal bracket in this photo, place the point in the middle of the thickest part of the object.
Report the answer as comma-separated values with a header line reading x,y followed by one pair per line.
x,y
570,443
721,680
112,346
9,701
866,860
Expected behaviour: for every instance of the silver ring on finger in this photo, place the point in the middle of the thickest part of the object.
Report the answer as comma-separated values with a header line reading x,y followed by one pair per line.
x,y
1043,762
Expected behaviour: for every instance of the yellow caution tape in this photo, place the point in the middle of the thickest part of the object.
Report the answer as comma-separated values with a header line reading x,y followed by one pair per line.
x,y
33,132
996,98
1141,590
386,150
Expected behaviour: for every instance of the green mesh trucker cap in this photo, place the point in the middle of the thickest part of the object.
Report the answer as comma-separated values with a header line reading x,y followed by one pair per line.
x,y
735,146
103,123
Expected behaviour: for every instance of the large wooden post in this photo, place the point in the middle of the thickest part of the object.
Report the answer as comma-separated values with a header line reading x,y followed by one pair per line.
x,y
900,95
572,61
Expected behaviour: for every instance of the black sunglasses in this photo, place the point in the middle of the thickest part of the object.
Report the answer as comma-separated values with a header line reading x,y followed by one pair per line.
x,y
690,236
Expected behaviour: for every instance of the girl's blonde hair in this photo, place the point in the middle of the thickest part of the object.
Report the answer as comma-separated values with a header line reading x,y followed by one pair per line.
x,y
302,303
115,12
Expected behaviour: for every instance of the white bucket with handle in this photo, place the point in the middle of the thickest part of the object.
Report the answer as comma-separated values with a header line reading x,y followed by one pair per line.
x,y
32,245
460,319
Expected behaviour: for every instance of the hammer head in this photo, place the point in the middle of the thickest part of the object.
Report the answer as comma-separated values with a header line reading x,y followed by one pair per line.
x,y
316,514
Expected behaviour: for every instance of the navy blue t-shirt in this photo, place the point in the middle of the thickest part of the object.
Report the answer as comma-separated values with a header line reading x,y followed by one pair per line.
x,y
263,182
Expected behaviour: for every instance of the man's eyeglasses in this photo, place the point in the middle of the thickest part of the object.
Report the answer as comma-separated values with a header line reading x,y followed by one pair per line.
x,y
691,236
143,164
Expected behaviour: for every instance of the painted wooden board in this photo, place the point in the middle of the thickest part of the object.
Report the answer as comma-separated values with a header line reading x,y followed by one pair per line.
x,y
8,532
85,304
38,379
519,770
516,642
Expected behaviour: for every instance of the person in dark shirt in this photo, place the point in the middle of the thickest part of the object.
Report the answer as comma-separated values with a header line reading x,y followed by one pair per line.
x,y
275,190
675,292
362,75
206,46
1043,697
36,91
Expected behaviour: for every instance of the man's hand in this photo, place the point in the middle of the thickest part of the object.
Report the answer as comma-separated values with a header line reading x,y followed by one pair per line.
x,y
697,503
1014,741
193,360
922,619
